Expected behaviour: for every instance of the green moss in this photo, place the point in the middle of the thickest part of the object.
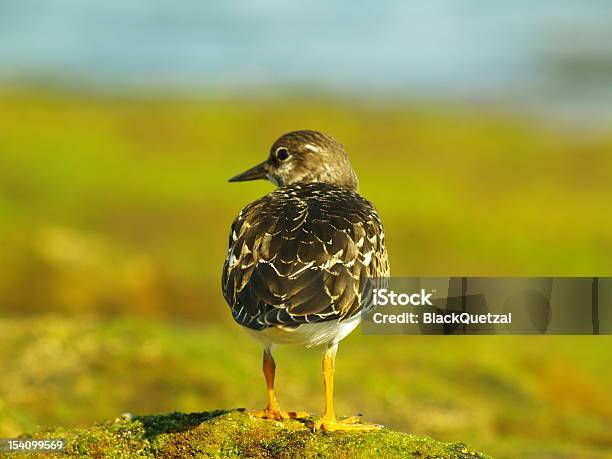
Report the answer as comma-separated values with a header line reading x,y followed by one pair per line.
x,y
233,433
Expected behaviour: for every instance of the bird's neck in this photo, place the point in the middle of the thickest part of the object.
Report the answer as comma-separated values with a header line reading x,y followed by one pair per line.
x,y
347,180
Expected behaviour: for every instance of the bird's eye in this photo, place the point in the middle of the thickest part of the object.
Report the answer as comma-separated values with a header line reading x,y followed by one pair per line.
x,y
282,153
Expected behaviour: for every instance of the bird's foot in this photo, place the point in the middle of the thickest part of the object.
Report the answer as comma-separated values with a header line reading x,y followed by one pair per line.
x,y
267,413
350,424
278,415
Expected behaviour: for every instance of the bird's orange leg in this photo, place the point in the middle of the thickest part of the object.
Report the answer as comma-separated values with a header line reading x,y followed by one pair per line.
x,y
272,409
329,422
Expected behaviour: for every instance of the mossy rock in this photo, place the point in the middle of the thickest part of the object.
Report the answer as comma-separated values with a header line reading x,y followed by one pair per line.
x,y
233,433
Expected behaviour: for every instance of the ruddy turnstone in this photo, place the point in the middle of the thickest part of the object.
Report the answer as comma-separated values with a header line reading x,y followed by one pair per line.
x,y
300,258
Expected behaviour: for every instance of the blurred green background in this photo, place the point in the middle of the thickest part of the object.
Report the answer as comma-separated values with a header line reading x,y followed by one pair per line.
x,y
115,211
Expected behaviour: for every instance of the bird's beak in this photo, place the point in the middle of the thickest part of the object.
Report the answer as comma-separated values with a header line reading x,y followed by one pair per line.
x,y
254,173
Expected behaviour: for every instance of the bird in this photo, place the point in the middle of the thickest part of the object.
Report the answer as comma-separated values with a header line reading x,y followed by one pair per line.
x,y
301,259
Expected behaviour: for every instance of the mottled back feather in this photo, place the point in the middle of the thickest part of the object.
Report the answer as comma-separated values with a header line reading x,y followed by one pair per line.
x,y
301,254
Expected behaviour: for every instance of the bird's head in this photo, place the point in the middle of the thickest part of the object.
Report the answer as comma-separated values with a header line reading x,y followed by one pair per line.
x,y
304,157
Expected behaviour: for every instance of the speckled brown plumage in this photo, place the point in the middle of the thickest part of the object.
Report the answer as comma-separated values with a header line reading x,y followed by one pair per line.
x,y
302,254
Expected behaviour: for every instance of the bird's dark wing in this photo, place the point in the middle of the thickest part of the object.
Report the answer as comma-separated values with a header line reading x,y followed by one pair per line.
x,y
302,254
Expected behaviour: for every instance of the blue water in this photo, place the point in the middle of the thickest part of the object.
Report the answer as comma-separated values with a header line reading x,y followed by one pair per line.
x,y
554,52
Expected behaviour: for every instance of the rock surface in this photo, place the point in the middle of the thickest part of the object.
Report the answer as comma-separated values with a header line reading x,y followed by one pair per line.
x,y
233,433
